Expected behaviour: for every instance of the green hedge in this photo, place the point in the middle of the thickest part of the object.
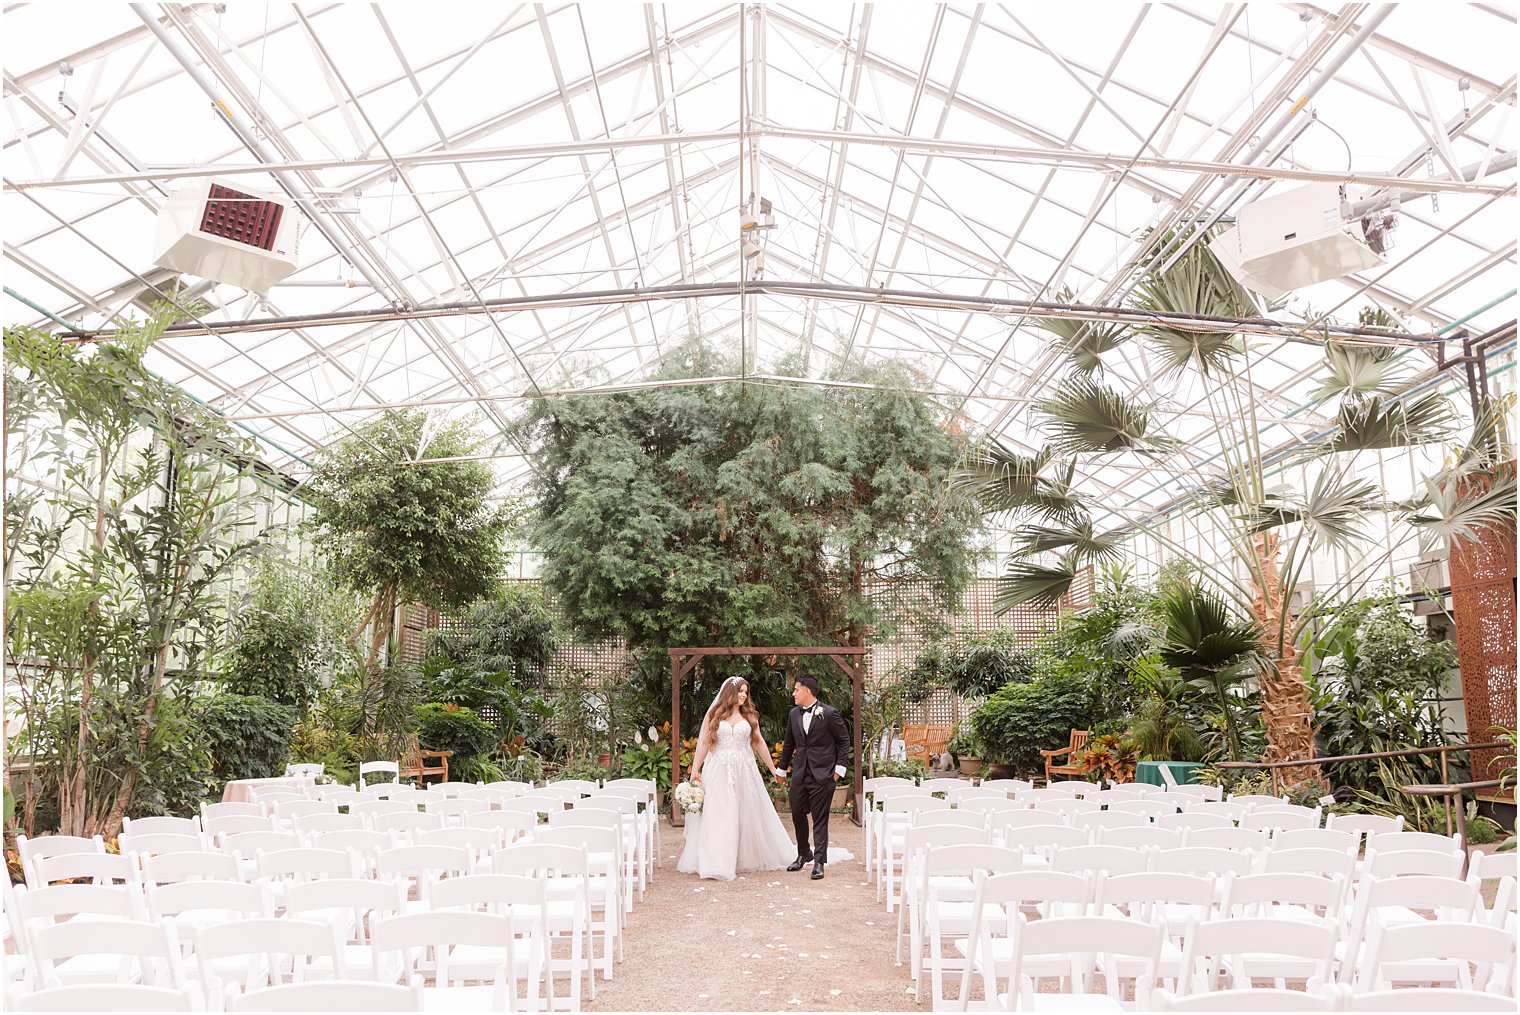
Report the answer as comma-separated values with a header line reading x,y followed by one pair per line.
x,y
443,727
248,737
1021,720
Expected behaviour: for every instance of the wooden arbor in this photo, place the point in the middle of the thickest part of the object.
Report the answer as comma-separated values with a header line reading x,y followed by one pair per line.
x,y
683,660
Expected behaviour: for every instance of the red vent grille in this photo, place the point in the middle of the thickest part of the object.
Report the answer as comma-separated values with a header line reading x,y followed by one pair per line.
x,y
240,217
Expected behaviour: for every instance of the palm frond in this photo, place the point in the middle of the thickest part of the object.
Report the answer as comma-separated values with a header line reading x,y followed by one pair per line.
x,y
1083,542
1460,510
1087,418
1197,284
1201,634
1332,511
1083,341
1357,371
1023,582
1376,423
1001,481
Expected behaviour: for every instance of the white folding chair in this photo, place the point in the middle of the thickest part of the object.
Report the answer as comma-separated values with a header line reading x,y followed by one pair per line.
x,y
1174,902
892,822
1365,824
1075,787
1255,799
350,906
636,860
524,901
1403,901
31,849
604,891
316,823
236,824
111,997
564,872
922,840
1300,897
1189,820
1279,818
995,918
1038,843
144,953
1403,862
1005,822
481,842
453,809
1033,797
405,823
1151,807
1317,838
251,954
363,843
231,808
420,867
946,887
1229,838
447,790
1437,952
1231,809
1237,948
480,937
1198,792
582,787
192,905
1203,860
513,825
330,995
99,868
1098,822
1068,808
1330,863
1121,949
647,815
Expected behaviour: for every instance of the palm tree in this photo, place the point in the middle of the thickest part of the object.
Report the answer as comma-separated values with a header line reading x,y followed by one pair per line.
x,y
1211,648
1271,531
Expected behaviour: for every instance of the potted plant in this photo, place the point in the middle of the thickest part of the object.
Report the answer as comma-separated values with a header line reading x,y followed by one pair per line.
x,y
967,749
1110,757
842,790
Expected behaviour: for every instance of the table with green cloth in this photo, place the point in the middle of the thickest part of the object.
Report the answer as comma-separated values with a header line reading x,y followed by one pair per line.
x,y
1150,771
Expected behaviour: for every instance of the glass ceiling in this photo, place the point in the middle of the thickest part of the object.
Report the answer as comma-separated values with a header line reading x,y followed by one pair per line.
x,y
592,162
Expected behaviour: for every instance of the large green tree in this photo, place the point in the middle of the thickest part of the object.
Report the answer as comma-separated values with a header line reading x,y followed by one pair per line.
x,y
746,513
403,517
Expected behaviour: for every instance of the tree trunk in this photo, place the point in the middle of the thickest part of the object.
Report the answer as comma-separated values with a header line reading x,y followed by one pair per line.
x,y
1286,711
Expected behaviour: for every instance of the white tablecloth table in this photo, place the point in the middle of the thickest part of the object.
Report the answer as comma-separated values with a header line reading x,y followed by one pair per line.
x,y
241,790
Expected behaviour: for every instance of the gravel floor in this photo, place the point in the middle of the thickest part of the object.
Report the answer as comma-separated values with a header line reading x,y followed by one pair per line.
x,y
768,941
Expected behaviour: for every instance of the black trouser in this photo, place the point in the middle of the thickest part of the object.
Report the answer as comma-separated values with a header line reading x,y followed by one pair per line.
x,y
809,797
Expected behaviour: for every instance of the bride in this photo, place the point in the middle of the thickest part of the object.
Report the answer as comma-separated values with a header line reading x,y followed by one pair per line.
x,y
737,828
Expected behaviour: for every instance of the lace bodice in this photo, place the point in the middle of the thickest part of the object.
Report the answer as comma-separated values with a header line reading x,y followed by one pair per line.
x,y
733,739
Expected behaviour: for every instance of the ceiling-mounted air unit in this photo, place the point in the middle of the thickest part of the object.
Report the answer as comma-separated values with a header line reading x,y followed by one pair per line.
x,y
227,232
1296,239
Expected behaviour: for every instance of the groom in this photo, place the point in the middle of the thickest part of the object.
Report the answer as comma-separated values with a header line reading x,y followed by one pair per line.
x,y
816,733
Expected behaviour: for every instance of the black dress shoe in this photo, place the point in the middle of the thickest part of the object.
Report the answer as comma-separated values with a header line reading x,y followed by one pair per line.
x,y
799,863
818,870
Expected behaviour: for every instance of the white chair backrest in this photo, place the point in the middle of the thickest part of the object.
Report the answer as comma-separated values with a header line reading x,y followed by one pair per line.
x,y
1075,787
1105,938
1125,790
248,844
297,808
312,824
1148,895
447,790
405,822
373,805
306,863
1069,807
1272,819
1105,820
363,841
269,798
161,823
492,893
344,796
1071,892
31,849
1144,837
100,868
203,866
422,865
1271,895
944,785
154,843
1208,793
357,900
237,824
513,824
1255,799
928,838
1229,838
234,898
1193,819
1156,806
382,768
1261,999
45,905
1317,838
1399,863
1322,862
107,997
1427,999
150,945
480,841
1006,785
966,793
583,787
1393,842
331,995
1004,822
990,805
540,859
1045,838
415,935
1230,809
1365,824
971,819
229,808
1486,866
301,940
1203,860
1100,860
1031,797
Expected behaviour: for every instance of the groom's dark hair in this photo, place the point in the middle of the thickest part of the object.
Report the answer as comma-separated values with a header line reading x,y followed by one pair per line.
x,y
810,682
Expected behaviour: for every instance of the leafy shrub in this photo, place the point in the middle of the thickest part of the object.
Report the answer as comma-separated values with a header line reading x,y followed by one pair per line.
x,y
581,768
512,632
525,766
291,628
444,727
1110,757
248,737
1021,720
899,770
475,768
648,759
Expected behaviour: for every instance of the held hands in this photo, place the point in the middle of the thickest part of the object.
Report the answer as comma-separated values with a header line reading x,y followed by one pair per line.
x,y
780,775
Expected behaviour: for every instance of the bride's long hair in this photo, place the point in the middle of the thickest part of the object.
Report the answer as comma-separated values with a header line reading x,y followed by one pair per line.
x,y
728,697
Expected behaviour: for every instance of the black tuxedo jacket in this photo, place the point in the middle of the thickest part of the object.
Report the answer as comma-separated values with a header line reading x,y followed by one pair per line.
x,y
818,750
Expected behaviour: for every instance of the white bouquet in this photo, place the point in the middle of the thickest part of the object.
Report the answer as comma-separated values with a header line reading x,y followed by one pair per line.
x,y
690,796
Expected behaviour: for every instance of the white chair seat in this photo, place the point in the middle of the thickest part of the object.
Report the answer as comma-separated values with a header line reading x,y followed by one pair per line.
x,y
1073,1002
451,999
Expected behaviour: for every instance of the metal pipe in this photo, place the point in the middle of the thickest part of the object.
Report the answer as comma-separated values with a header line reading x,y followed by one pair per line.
x,y
1470,174
251,141
812,290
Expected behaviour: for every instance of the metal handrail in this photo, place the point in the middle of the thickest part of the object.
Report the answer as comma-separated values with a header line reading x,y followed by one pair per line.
x,y
1449,792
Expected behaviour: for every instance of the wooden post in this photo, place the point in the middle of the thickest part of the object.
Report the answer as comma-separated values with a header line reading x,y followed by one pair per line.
x,y
677,820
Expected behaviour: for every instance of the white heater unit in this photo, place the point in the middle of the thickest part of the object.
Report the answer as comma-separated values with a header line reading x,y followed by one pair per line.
x,y
225,231
1293,240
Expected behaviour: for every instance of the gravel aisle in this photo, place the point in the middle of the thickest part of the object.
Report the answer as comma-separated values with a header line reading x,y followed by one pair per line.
x,y
766,941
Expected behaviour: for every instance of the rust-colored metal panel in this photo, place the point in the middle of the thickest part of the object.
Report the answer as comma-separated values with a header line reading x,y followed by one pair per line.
x,y
1483,605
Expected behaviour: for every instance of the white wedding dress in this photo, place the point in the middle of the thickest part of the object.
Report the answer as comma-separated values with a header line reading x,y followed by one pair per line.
x,y
737,828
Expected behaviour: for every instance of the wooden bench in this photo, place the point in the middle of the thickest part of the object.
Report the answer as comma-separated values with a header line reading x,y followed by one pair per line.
x,y
417,767
1073,766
